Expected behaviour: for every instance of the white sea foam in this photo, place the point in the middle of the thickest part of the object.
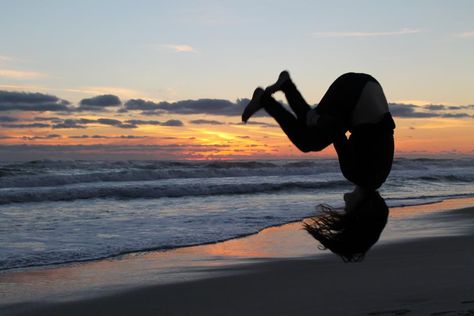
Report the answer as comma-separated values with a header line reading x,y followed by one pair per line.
x,y
67,211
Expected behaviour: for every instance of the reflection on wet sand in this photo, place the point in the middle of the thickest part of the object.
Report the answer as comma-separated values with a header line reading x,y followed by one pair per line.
x,y
287,241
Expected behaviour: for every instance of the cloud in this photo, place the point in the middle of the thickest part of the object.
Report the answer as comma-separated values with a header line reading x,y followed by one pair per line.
x,y
435,107
8,119
101,100
4,58
82,123
455,115
206,122
98,103
228,108
135,123
140,104
48,118
86,136
180,48
257,123
172,123
409,111
32,125
116,123
40,102
434,110
206,106
108,151
467,34
77,148
72,123
19,74
154,122
199,106
26,97
143,122
130,137
107,137
50,136
404,31
150,113
28,101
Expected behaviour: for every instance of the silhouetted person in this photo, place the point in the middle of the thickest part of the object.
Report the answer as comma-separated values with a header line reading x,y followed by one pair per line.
x,y
355,102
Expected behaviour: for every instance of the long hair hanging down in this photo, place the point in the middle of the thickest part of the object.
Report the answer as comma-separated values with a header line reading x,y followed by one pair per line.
x,y
350,234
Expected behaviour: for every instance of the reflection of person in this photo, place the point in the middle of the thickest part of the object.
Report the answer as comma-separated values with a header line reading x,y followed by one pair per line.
x,y
350,234
355,102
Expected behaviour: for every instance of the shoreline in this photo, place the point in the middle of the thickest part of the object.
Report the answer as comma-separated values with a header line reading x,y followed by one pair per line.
x,y
379,286
165,249
284,248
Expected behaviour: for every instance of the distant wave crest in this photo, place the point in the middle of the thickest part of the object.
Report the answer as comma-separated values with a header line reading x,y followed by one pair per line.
x,y
153,190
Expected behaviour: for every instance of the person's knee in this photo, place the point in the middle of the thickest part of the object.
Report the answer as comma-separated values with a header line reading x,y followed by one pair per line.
x,y
307,147
320,139
302,143
319,146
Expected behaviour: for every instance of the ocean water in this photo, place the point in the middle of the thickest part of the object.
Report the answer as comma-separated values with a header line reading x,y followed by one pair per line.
x,y
54,212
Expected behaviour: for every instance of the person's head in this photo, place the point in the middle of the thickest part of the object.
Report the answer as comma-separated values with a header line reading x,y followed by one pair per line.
x,y
350,234
354,198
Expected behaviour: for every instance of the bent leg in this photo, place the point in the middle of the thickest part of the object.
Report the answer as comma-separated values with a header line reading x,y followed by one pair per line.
x,y
293,96
303,137
296,101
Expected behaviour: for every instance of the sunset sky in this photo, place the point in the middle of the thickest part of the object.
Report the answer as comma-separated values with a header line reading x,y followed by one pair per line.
x,y
169,79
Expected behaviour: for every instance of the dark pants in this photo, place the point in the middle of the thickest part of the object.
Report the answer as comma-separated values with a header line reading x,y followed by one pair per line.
x,y
294,125
365,159
335,109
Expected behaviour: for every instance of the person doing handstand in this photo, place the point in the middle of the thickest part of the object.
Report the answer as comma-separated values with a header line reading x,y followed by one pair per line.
x,y
354,102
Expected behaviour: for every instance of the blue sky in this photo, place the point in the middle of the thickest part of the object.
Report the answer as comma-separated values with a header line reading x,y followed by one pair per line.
x,y
59,58
421,49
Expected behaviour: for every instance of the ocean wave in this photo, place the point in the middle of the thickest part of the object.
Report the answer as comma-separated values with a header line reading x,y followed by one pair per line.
x,y
426,163
156,190
240,164
123,206
447,178
49,173
74,254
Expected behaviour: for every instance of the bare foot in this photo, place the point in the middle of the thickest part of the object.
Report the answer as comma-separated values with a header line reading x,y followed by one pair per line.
x,y
283,78
254,105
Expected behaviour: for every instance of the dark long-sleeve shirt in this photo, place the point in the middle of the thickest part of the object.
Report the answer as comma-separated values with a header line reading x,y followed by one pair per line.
x,y
366,157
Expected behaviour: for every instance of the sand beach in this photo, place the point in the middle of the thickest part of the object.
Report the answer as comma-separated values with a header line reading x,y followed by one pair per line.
x,y
421,268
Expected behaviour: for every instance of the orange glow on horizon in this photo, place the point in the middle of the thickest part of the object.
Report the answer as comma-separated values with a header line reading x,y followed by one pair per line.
x,y
418,136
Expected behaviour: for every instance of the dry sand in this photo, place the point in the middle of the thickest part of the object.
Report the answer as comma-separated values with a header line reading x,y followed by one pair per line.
x,y
424,276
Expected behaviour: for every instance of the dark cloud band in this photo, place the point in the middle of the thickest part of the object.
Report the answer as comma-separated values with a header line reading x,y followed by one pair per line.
x,y
39,102
430,111
200,106
27,101
101,101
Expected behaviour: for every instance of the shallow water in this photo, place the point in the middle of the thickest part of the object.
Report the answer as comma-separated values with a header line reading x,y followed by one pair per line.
x,y
68,211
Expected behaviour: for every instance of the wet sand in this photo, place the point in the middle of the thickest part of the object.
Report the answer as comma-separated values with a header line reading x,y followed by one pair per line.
x,y
422,274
